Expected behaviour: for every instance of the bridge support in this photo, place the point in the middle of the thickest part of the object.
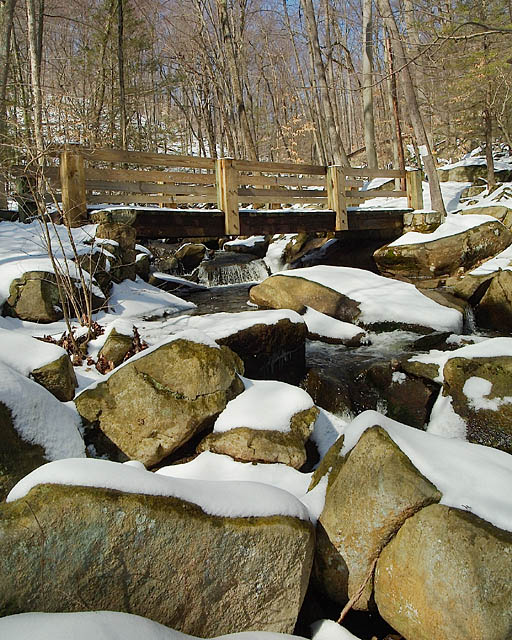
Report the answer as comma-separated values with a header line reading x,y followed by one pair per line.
x,y
72,178
413,180
336,198
227,195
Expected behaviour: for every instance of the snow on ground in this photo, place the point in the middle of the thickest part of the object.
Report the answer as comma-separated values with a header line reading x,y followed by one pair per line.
x,y
228,499
470,476
217,325
39,417
24,354
382,299
23,248
249,242
138,299
453,225
500,197
330,630
328,428
264,405
108,625
327,327
275,251
478,161
500,262
451,192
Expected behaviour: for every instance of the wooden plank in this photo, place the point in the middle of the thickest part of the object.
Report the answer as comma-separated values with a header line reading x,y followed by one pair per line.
x,y
376,193
24,170
272,222
279,167
295,193
354,183
283,198
140,175
142,199
413,180
336,186
282,181
150,159
72,176
227,197
179,224
373,173
366,220
145,187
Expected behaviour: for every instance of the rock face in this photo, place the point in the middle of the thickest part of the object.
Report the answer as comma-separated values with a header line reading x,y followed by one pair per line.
x,y
282,292
470,173
116,347
494,311
445,256
276,351
17,457
259,445
480,391
79,549
154,403
447,574
375,490
34,297
58,378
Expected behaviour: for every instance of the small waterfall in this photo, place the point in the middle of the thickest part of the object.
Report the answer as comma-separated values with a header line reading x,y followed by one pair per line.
x,y
469,325
231,268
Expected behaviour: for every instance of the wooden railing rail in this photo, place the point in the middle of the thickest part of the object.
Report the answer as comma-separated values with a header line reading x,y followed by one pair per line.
x,y
87,176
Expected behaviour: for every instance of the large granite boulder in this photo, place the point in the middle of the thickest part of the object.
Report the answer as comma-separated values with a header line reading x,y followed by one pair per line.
x,y
356,296
81,549
481,391
443,255
269,422
160,398
116,346
376,488
446,574
58,377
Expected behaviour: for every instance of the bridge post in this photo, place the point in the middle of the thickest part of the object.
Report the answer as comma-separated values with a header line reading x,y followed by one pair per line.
x,y
227,194
72,178
414,187
336,198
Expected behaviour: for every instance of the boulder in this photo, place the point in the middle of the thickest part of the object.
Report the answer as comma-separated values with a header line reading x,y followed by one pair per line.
x,y
447,255
124,236
58,377
480,390
500,212
494,310
17,457
190,255
265,445
356,296
254,245
446,574
470,173
84,549
375,490
142,265
116,347
160,398
34,297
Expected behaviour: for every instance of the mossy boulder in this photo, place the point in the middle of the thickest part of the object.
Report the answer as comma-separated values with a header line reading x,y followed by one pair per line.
x,y
375,490
143,266
157,401
116,347
17,457
85,549
34,297
190,256
124,236
283,292
446,574
58,377
489,417
448,255
264,445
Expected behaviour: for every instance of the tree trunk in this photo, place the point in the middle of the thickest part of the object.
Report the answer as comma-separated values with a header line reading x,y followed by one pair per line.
x,y
368,117
412,106
34,44
120,69
396,135
337,151
6,20
491,177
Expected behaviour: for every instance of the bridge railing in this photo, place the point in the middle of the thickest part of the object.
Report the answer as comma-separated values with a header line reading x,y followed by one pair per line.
x,y
114,176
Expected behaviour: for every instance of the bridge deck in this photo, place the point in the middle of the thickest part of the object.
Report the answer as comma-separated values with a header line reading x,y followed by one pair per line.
x,y
181,223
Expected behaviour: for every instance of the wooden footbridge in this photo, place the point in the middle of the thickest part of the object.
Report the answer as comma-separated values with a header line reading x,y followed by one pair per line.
x,y
285,197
